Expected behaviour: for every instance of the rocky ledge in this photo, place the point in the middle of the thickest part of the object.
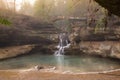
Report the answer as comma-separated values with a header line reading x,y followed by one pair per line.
x,y
14,51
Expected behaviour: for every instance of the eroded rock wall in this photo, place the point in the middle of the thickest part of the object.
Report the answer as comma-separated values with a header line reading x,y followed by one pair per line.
x,y
104,48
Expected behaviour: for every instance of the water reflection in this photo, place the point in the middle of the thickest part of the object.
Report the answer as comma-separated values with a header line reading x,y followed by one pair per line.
x,y
60,62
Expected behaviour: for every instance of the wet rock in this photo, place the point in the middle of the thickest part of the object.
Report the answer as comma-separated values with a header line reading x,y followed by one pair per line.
x,y
53,68
38,67
115,51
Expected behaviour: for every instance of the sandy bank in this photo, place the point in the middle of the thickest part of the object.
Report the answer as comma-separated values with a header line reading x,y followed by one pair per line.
x,y
42,75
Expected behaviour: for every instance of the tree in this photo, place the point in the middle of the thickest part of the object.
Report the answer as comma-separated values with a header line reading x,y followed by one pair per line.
x,y
26,8
14,6
39,8
46,9
2,4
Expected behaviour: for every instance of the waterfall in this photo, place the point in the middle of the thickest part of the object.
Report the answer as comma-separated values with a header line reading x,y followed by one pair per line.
x,y
63,43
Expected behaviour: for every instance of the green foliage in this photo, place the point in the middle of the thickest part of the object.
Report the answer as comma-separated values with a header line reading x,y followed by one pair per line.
x,y
4,21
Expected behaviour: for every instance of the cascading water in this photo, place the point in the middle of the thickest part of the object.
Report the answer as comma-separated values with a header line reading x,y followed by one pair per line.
x,y
63,43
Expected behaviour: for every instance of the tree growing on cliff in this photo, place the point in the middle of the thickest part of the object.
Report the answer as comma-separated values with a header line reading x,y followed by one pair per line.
x,y
102,21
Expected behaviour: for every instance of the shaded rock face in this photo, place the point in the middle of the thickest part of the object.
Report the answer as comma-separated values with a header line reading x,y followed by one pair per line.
x,y
25,30
104,49
113,6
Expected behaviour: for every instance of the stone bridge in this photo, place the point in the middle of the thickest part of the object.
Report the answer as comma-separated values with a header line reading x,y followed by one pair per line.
x,y
71,19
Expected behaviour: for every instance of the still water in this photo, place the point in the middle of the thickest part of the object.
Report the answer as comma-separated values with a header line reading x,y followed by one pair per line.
x,y
63,63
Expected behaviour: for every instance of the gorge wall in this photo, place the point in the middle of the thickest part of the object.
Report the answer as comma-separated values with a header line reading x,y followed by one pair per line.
x,y
113,6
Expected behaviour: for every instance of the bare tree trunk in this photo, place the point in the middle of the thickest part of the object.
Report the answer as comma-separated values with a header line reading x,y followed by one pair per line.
x,y
14,6
7,6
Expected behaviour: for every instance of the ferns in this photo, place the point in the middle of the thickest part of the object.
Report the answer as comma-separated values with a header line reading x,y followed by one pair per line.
x,y
4,21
